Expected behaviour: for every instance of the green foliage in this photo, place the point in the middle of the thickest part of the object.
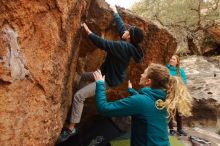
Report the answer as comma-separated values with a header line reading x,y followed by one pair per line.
x,y
183,18
184,12
126,142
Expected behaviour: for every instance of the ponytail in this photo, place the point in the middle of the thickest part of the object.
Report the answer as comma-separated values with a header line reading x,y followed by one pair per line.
x,y
178,65
178,98
178,70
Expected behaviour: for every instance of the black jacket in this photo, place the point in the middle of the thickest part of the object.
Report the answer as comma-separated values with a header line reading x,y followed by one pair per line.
x,y
119,54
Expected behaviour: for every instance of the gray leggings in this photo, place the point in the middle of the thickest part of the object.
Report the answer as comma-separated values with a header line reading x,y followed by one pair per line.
x,y
80,96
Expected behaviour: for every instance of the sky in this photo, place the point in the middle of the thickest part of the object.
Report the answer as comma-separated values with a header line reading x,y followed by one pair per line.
x,y
123,3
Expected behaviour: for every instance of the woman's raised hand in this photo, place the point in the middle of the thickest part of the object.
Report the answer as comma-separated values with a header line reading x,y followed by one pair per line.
x,y
129,84
98,76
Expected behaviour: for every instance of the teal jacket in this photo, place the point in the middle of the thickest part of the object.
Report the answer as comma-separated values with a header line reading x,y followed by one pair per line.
x,y
119,54
173,72
149,125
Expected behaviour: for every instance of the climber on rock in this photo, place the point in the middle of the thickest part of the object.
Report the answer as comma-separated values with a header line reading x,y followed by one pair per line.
x,y
115,66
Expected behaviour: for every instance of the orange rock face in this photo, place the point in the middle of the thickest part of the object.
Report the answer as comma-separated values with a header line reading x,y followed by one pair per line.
x,y
212,42
215,32
43,48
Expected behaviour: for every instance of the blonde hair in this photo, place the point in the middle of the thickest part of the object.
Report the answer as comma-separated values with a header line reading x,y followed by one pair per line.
x,y
178,97
178,65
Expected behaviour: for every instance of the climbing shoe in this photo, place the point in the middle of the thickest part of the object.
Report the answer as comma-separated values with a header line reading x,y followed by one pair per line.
x,y
172,132
65,134
180,132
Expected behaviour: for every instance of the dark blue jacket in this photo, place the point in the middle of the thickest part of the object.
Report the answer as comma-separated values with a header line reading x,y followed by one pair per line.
x,y
149,125
119,54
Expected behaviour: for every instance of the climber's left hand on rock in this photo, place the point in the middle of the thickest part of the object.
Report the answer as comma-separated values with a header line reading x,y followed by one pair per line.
x,y
86,28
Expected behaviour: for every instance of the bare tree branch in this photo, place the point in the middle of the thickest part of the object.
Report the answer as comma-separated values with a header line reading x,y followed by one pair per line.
x,y
194,9
158,19
182,21
199,13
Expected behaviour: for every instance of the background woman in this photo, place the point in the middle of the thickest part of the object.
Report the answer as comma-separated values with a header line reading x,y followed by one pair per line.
x,y
176,70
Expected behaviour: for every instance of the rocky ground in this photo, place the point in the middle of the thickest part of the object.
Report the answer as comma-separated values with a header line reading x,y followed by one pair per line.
x,y
204,133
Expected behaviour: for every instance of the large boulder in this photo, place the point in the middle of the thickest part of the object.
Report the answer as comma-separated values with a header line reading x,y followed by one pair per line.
x,y
215,33
38,55
43,51
211,44
203,83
